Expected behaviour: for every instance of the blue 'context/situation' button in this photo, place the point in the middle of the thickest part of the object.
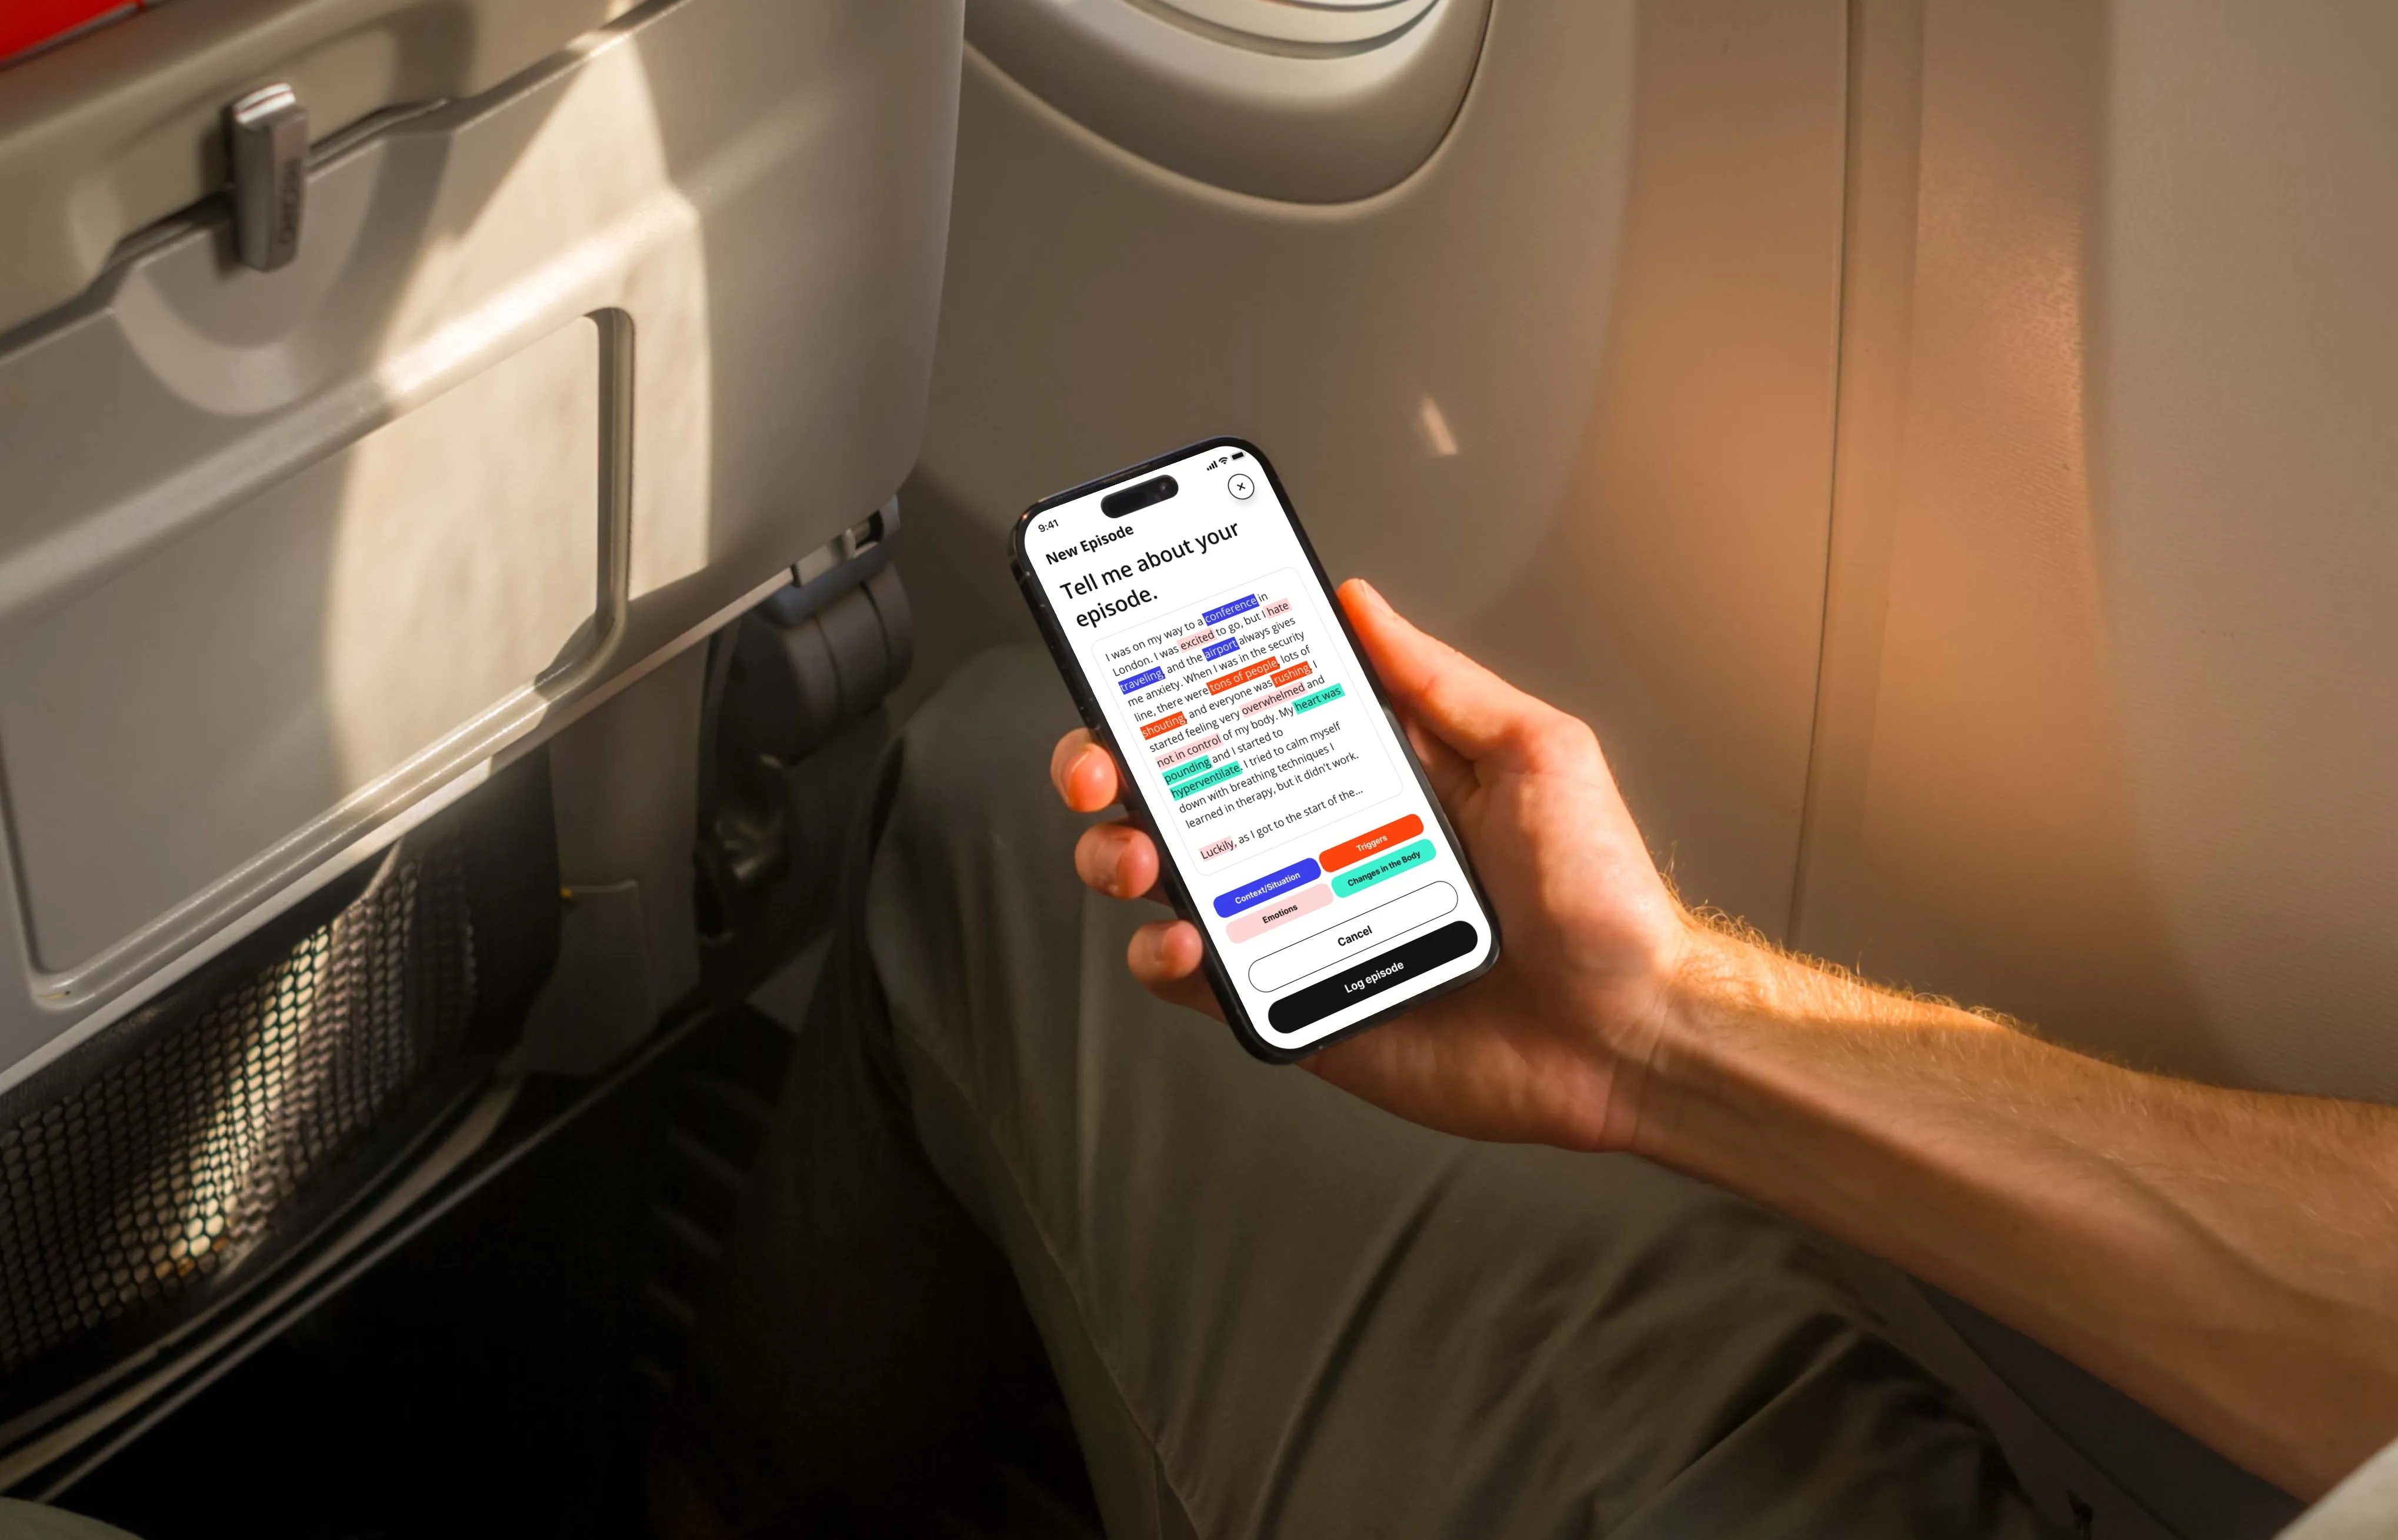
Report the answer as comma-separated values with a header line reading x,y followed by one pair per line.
x,y
1142,680
1241,606
1248,896
1217,650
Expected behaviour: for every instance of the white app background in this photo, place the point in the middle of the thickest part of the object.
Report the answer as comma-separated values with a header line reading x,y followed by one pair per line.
x,y
1325,883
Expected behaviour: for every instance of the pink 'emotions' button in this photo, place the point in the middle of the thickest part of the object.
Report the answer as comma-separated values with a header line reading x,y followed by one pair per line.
x,y
1307,899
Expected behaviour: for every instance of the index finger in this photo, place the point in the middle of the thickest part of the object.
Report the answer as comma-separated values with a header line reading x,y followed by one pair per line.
x,y
1084,773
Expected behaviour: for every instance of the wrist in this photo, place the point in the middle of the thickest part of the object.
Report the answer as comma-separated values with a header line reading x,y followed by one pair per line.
x,y
1741,1033
1699,979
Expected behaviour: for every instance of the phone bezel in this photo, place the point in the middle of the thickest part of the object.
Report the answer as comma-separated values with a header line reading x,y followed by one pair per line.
x,y
1136,802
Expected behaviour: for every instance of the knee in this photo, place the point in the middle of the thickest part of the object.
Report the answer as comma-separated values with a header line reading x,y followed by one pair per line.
x,y
977,753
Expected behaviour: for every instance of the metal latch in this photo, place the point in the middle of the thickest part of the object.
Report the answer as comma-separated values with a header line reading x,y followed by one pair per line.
x,y
266,135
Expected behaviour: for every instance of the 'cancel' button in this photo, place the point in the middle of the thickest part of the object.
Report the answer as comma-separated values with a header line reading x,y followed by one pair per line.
x,y
1371,976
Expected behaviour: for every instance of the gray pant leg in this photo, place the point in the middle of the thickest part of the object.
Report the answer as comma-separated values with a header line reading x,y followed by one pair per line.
x,y
865,1344
20,1521
1279,1311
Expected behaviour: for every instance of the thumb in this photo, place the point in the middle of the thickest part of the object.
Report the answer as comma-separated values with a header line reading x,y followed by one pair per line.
x,y
1462,703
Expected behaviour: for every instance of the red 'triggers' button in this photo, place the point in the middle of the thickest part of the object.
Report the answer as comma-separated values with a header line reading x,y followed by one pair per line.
x,y
1350,851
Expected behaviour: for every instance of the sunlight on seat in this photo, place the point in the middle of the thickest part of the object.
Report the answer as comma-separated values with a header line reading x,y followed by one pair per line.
x,y
469,557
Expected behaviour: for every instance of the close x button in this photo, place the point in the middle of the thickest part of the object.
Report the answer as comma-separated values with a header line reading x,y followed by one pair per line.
x,y
1370,977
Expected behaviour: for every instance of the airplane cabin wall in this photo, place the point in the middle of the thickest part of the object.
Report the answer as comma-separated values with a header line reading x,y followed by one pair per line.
x,y
1942,446
1565,391
2025,364
2106,735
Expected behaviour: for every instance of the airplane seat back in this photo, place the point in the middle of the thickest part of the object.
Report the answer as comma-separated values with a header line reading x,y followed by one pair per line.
x,y
395,398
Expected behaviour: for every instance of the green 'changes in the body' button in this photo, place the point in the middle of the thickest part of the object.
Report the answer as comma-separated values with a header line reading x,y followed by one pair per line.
x,y
1356,879
1201,783
1321,698
1188,769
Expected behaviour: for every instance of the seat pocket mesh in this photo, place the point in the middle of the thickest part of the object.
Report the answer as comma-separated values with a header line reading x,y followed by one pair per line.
x,y
174,1163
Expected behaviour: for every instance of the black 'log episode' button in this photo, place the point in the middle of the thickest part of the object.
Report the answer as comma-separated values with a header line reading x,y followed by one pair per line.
x,y
1370,977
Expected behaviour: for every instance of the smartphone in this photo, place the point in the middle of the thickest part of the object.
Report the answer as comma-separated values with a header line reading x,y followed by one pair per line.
x,y
1203,644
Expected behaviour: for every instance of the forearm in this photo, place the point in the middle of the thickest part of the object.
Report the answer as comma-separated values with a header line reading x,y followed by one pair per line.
x,y
2230,1259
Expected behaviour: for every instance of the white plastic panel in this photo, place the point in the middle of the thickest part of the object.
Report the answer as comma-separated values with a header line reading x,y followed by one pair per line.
x,y
562,376
1320,21
161,727
1315,104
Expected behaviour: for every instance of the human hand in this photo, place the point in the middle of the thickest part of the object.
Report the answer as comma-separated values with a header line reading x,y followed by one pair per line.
x,y
2119,1217
1551,1045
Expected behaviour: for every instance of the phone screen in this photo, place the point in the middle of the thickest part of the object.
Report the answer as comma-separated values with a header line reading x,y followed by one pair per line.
x,y
1291,811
